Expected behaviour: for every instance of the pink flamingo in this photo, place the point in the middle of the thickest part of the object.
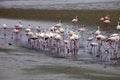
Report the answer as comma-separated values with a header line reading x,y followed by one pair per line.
x,y
107,21
102,21
16,31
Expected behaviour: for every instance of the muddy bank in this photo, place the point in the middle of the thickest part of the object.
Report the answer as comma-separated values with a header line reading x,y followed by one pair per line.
x,y
90,17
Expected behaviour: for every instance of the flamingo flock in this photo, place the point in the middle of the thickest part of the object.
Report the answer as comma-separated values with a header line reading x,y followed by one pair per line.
x,y
105,21
58,39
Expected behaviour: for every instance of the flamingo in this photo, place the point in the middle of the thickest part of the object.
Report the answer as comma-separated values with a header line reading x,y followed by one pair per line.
x,y
61,30
93,48
82,30
74,43
119,18
118,26
58,37
107,21
98,31
100,38
46,40
32,37
16,31
19,25
38,29
107,17
75,20
102,21
114,38
66,49
4,27
59,24
27,30
89,39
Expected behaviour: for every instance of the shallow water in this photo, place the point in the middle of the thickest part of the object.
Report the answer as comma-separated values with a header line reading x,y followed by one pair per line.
x,y
83,51
61,4
22,63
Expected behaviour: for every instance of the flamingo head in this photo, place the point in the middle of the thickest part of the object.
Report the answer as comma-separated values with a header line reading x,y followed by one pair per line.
x,y
66,41
76,17
102,19
60,21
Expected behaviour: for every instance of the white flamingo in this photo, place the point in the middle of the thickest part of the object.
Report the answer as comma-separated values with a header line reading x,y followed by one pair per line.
x,y
89,39
19,25
74,43
118,26
16,31
93,49
82,30
5,27
32,37
27,30
59,24
66,49
38,29
75,20
98,31
58,38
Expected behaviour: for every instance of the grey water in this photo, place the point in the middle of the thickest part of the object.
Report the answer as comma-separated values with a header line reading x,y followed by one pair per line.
x,y
61,4
18,63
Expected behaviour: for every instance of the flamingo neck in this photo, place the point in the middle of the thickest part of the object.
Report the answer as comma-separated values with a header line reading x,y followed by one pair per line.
x,y
98,28
118,23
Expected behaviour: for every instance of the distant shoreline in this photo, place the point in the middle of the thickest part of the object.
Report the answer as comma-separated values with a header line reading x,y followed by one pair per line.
x,y
90,17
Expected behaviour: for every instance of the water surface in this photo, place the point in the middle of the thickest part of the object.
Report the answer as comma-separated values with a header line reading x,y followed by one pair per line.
x,y
61,4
